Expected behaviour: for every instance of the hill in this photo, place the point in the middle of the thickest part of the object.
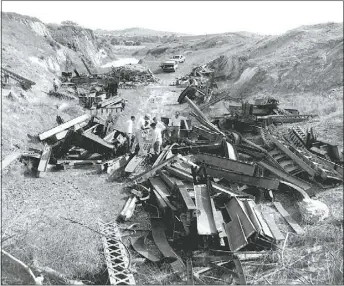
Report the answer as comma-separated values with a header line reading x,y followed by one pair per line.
x,y
306,59
130,32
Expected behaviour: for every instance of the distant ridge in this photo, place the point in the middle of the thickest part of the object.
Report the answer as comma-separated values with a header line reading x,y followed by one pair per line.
x,y
135,31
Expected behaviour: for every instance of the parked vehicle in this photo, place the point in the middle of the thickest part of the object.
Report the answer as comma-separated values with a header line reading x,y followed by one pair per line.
x,y
178,58
169,66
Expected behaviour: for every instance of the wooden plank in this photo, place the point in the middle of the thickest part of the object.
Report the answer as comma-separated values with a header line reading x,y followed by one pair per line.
x,y
9,159
62,127
62,134
294,225
226,164
43,163
234,208
134,163
269,218
266,183
205,219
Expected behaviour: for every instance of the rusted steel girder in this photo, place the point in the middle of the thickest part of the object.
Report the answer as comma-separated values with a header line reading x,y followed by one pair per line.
x,y
266,183
140,246
226,164
205,219
144,176
159,237
116,255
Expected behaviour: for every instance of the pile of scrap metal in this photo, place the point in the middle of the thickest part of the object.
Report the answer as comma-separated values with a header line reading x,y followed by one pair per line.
x,y
198,91
131,76
82,141
202,74
201,71
67,90
245,116
210,198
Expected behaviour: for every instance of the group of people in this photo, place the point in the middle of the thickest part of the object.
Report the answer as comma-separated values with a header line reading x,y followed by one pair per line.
x,y
137,131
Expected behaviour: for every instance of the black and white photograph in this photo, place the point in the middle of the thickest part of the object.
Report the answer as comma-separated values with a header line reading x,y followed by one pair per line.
x,y
172,142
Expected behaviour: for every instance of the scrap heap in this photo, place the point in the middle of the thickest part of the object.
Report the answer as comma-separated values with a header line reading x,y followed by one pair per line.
x,y
203,194
201,73
85,140
208,192
131,76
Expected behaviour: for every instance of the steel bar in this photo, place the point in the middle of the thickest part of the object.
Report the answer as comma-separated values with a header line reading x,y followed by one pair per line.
x,y
205,220
266,183
294,225
236,208
179,174
286,177
144,176
269,218
226,164
161,242
92,143
140,247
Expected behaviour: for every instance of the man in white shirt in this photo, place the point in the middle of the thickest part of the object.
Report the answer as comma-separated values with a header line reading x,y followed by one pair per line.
x,y
131,127
142,125
160,125
175,122
156,138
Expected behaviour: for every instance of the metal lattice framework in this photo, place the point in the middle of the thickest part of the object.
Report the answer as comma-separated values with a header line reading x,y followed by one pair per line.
x,y
116,255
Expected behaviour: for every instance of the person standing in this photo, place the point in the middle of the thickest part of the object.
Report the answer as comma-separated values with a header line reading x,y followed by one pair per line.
x,y
142,126
156,138
130,132
55,84
175,122
160,125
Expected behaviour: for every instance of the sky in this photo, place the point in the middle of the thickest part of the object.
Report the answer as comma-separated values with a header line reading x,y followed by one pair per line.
x,y
189,17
